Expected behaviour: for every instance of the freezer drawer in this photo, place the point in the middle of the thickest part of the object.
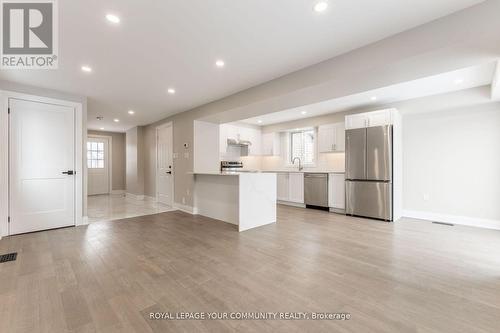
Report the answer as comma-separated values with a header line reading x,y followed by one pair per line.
x,y
369,199
316,189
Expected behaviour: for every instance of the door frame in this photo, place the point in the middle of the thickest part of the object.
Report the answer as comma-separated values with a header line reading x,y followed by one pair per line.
x,y
110,158
159,127
80,141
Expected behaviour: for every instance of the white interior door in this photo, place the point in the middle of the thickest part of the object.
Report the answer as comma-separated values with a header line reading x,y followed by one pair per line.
x,y
164,167
98,165
42,164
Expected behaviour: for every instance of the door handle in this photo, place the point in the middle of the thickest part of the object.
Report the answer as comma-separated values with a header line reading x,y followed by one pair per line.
x,y
69,172
169,172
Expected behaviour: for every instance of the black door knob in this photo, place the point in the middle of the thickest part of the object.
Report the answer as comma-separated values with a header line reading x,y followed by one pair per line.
x,y
69,172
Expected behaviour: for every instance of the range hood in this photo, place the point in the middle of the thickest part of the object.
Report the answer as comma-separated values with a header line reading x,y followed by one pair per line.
x,y
238,142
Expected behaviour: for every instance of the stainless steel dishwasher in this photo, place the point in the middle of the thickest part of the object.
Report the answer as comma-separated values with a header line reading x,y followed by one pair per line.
x,y
316,189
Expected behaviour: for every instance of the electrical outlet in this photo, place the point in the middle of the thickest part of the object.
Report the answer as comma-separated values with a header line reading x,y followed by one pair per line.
x,y
426,196
183,200
187,192
174,155
186,155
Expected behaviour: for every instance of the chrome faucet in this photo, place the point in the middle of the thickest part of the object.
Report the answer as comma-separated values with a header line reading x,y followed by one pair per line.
x,y
300,163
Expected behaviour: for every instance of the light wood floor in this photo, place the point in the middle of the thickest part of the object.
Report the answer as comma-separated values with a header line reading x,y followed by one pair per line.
x,y
410,276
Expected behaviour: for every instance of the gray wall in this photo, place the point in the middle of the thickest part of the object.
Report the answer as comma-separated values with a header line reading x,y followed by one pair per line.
x,y
118,158
452,162
135,161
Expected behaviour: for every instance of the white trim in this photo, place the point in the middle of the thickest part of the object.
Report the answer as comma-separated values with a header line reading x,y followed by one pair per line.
x,y
85,220
186,208
169,124
4,153
139,197
118,192
455,219
289,203
110,158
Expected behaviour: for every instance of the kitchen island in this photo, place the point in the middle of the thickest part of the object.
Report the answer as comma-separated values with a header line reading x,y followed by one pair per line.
x,y
246,199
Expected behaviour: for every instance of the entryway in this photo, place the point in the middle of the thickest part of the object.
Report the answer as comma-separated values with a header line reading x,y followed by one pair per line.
x,y
164,164
99,164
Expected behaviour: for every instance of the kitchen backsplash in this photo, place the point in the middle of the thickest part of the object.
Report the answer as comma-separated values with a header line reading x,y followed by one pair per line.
x,y
326,162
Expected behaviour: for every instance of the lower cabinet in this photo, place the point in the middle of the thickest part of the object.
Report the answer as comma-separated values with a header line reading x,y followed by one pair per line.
x,y
291,187
283,187
336,191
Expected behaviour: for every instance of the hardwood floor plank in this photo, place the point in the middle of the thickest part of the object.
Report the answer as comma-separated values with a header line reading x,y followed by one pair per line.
x,y
409,276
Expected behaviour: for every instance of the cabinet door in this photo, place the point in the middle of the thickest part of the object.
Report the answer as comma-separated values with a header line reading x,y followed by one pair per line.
x,y
356,121
296,187
336,190
255,138
283,187
326,138
267,144
379,118
339,144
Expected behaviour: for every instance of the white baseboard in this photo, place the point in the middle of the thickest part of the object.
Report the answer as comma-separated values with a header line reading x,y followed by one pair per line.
x,y
117,192
83,221
186,208
149,198
134,196
293,204
454,219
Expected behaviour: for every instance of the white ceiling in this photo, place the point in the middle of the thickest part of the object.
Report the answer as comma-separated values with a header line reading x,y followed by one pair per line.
x,y
170,43
439,84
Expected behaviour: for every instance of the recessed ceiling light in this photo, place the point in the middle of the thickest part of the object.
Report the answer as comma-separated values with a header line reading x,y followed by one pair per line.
x,y
87,69
320,6
131,111
112,18
259,121
373,98
116,120
304,112
459,81
171,91
220,63
102,128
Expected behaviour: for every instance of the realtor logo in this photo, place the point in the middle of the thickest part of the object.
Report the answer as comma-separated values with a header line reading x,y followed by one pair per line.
x,y
29,34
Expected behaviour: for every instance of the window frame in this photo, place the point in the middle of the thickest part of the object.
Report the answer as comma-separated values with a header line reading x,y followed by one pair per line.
x,y
314,147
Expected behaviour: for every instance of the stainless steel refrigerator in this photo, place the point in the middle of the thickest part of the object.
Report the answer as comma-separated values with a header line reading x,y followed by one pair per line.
x,y
369,155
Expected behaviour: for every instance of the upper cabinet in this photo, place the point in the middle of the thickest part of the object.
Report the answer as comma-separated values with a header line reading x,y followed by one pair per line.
x,y
270,144
370,119
240,133
331,138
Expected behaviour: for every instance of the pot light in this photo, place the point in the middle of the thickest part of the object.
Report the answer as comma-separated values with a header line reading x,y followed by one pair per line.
x,y
373,98
113,18
259,121
220,63
171,91
304,112
131,111
320,6
86,69
102,128
458,81
116,120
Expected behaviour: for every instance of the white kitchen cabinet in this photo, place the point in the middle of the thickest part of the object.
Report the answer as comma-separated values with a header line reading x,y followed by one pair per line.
x,y
283,187
331,138
370,119
296,187
232,131
270,145
336,191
